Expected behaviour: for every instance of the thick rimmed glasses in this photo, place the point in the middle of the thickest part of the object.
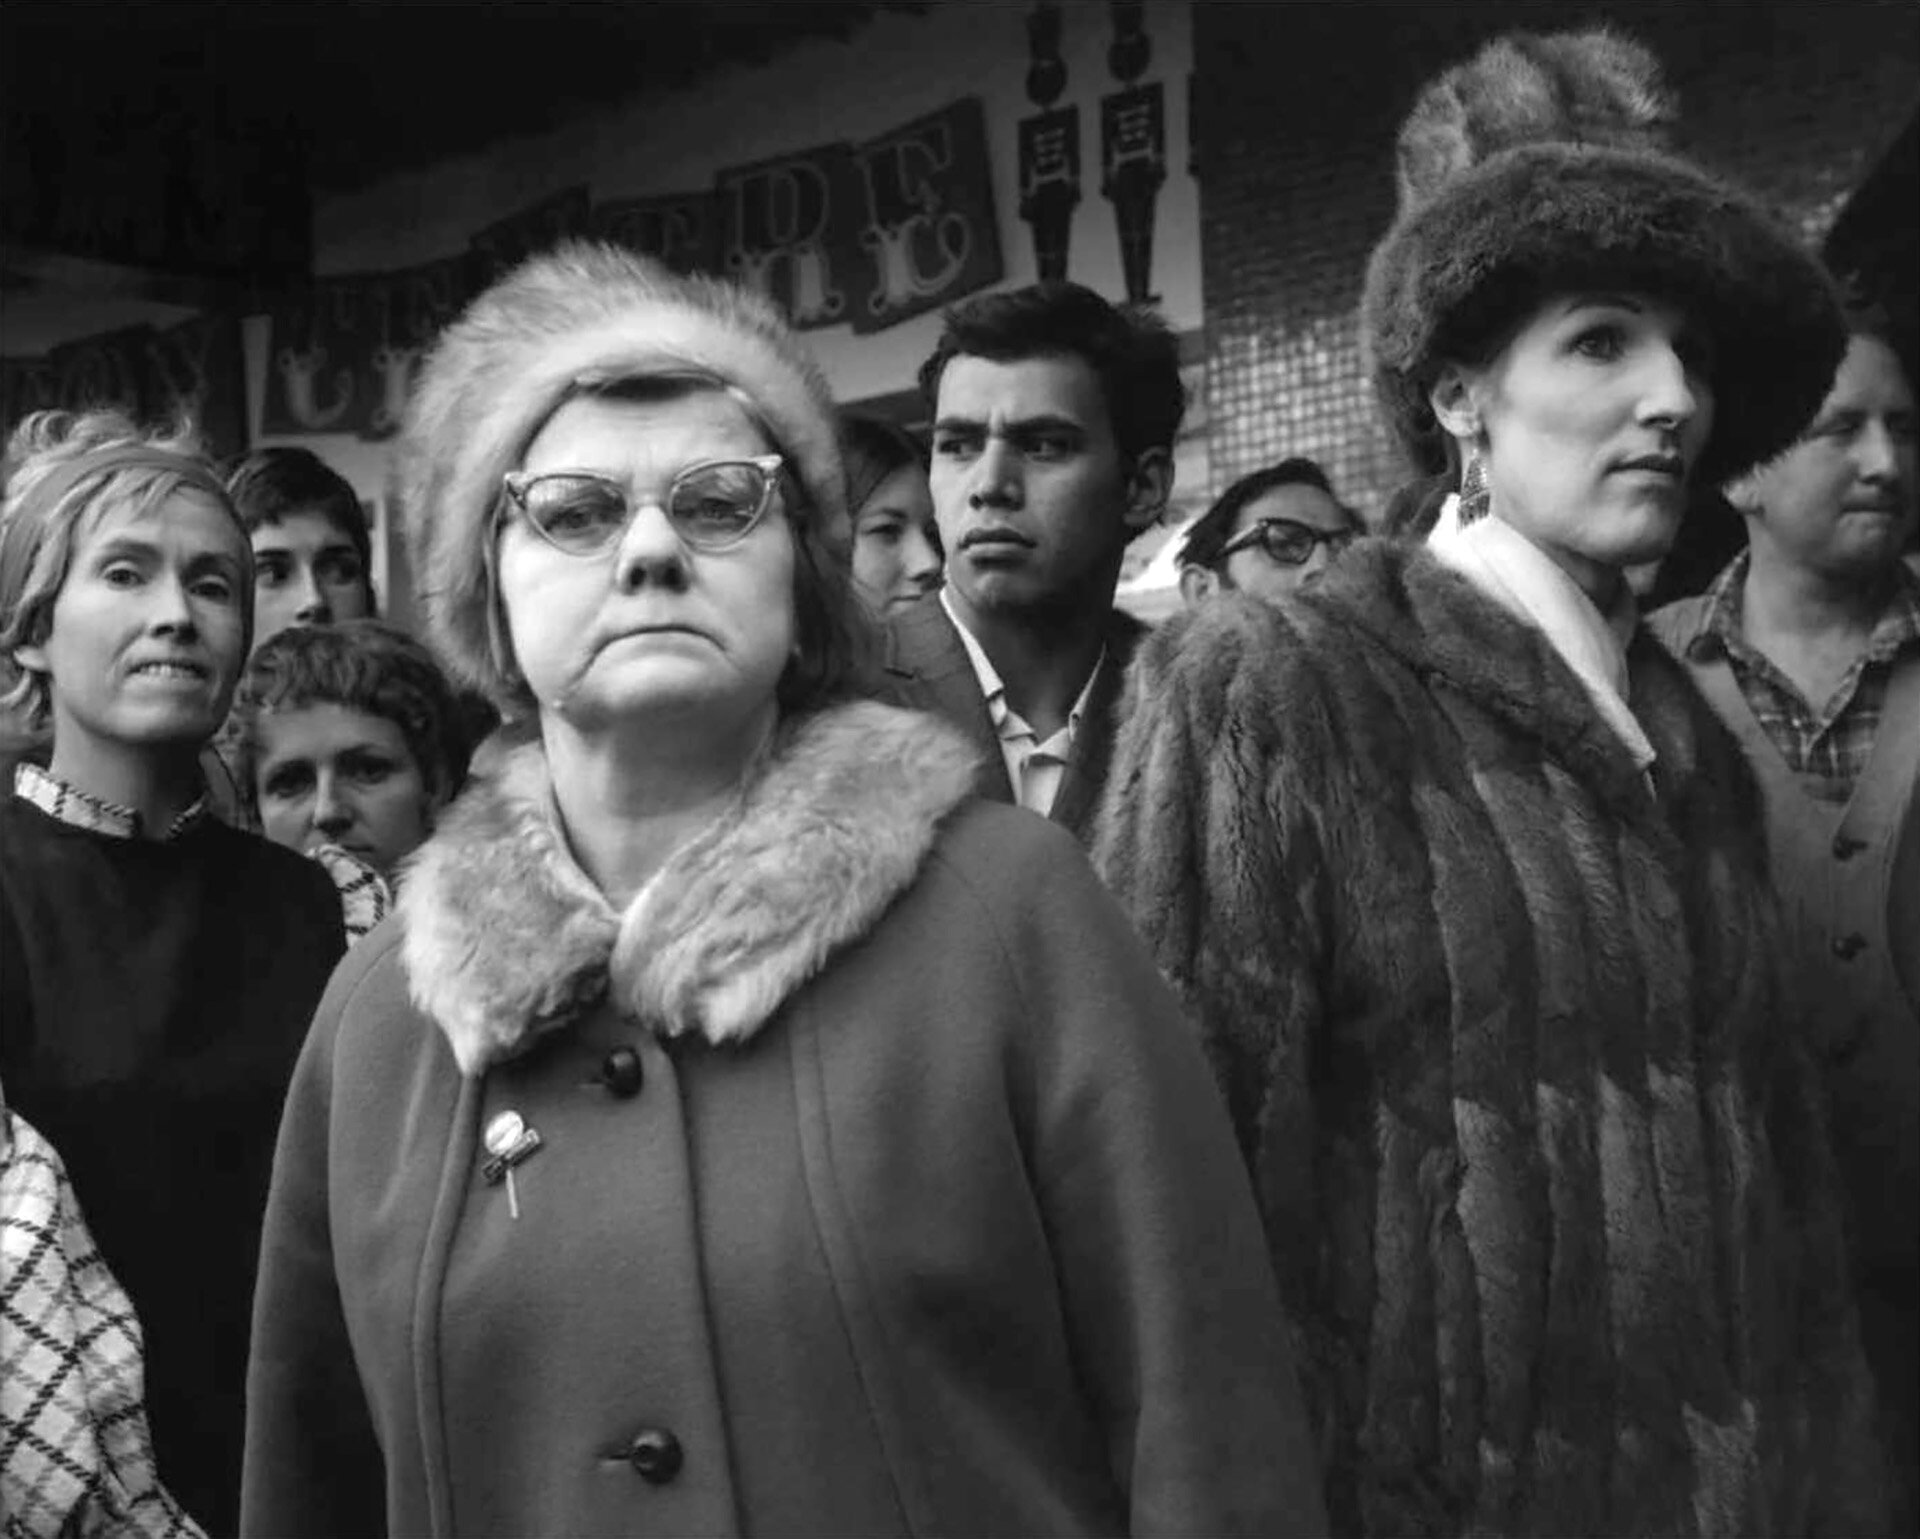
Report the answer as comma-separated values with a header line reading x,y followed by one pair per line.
x,y
712,505
1287,542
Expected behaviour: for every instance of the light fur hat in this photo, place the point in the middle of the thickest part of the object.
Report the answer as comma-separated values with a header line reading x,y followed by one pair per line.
x,y
1538,167
581,315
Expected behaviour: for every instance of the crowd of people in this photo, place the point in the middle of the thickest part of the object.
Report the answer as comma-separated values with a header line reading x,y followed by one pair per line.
x,y
790,1012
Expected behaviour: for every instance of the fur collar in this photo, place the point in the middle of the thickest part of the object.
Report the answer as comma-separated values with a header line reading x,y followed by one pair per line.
x,y
1437,623
505,938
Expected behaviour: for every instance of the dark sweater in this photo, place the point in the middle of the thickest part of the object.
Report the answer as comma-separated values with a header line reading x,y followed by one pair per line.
x,y
153,998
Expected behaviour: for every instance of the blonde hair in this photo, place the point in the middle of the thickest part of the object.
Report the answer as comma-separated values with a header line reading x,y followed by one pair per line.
x,y
38,537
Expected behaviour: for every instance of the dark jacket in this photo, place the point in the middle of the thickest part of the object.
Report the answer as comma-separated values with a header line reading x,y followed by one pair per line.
x,y
926,667
153,998
1543,1166
908,1208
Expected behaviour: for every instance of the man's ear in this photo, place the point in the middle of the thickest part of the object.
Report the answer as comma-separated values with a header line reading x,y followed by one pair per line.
x,y
1197,585
1149,484
1745,496
30,657
1453,405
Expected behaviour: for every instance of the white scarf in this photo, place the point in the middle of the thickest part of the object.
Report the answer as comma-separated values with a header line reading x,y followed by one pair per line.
x,y
1516,574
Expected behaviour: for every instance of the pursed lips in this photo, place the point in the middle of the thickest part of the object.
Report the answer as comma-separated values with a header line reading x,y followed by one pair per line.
x,y
994,537
1658,464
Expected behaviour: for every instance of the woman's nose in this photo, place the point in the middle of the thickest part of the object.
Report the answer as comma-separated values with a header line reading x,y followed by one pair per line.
x,y
921,560
1672,392
650,552
331,814
171,610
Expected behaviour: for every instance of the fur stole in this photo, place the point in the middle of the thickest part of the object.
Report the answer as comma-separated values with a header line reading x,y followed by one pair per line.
x,y
506,938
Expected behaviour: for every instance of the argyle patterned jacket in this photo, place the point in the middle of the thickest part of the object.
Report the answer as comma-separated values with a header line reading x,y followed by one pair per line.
x,y
76,1457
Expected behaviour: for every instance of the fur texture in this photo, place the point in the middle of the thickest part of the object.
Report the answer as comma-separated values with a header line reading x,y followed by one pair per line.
x,y
1524,174
506,938
1594,87
1540,1158
580,313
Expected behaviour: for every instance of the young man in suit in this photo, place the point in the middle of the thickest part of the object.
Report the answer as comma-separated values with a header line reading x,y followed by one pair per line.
x,y
1054,416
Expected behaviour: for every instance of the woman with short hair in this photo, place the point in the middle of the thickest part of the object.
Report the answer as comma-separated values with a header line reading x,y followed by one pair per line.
x,y
157,968
1466,887
348,738
739,1129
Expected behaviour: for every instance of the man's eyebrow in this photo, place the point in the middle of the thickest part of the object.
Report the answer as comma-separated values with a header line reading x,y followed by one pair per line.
x,y
958,425
1027,426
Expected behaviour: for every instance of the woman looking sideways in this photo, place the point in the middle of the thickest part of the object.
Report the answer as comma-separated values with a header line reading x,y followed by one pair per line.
x,y
1466,886
740,1129
896,543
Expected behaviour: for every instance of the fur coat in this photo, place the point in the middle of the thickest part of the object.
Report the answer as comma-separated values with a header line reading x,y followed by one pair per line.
x,y
1541,1163
879,1190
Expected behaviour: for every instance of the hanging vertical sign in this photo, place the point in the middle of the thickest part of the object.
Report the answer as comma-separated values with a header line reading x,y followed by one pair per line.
x,y
1133,149
1049,147
929,224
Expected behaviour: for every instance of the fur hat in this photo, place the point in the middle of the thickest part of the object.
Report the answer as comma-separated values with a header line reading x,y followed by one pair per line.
x,y
581,314
1536,169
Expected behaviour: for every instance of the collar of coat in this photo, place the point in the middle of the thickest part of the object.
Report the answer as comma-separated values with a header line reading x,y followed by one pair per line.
x,y
505,938
1441,626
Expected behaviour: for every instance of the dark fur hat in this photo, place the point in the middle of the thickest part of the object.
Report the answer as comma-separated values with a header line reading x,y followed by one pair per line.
x,y
1534,170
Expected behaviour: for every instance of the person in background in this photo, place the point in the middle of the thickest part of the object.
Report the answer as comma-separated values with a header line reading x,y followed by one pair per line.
x,y
312,550
739,1128
1808,646
348,737
1267,534
896,543
159,967
1054,416
1466,887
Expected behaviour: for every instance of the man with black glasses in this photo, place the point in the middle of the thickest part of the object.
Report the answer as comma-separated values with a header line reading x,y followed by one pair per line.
x,y
1269,533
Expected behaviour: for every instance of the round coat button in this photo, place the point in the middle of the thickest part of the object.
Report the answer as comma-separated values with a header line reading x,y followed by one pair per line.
x,y
656,1455
1847,947
1845,846
622,1072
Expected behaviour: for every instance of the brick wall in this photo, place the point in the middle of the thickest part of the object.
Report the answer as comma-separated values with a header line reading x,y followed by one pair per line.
x,y
1298,107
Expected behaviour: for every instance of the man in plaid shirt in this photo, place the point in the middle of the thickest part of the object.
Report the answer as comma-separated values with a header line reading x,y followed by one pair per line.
x,y
1808,646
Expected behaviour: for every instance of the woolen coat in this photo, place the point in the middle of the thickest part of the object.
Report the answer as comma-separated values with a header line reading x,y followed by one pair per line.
x,y
1542,1162
926,668
881,1190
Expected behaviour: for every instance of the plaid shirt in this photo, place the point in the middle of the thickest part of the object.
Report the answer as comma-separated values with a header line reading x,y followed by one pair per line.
x,y
1834,742
69,804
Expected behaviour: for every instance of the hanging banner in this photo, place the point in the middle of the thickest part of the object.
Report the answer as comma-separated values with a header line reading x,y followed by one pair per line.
x,y
867,236
680,229
787,228
929,230
193,368
505,244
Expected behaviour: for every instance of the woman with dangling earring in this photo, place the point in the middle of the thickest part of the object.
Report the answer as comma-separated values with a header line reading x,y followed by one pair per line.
x,y
1466,888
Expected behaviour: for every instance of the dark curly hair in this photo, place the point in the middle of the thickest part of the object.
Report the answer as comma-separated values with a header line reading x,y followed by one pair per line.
x,y
1131,351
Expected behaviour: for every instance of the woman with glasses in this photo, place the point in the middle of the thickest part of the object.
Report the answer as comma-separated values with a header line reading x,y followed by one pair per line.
x,y
740,1129
1466,888
1269,533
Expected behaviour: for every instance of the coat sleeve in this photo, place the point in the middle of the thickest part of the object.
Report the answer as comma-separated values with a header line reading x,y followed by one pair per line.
x,y
312,1464
1844,1475
1169,1297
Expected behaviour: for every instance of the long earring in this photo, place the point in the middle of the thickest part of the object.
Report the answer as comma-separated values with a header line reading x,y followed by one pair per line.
x,y
1475,496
